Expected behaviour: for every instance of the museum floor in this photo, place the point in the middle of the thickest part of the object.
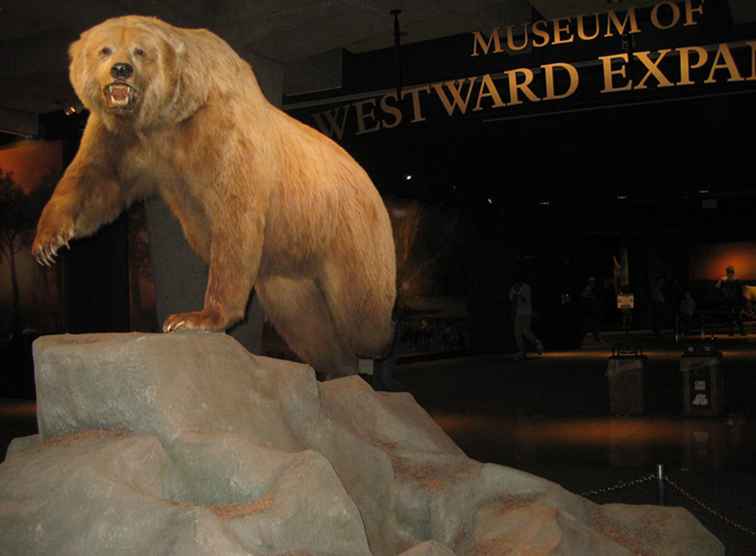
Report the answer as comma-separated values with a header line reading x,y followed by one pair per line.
x,y
550,415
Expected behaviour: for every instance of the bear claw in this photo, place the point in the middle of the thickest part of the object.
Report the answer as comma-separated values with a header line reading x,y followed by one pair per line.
x,y
173,326
46,254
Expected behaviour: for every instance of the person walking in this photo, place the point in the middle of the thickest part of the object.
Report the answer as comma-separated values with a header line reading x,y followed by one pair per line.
x,y
522,313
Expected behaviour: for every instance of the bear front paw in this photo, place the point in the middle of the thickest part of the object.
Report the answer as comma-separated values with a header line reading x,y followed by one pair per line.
x,y
196,320
51,236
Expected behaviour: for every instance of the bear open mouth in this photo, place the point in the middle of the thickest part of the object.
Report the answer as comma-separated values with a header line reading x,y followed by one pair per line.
x,y
120,96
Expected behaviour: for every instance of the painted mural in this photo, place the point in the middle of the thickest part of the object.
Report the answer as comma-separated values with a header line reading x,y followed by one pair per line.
x,y
29,293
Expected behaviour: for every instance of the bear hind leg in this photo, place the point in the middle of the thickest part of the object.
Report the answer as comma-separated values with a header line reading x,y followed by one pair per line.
x,y
362,309
298,310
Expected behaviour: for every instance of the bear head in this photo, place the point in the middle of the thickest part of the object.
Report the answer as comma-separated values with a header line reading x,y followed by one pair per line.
x,y
131,72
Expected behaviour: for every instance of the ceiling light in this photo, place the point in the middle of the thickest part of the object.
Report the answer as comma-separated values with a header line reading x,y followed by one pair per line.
x,y
72,108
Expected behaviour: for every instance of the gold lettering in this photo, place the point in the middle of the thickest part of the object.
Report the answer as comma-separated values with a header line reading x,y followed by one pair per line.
x,y
675,15
331,126
572,71
488,89
559,29
581,28
653,69
685,66
690,11
515,87
540,29
392,110
752,44
455,87
494,40
362,116
510,39
724,53
610,72
417,108
613,20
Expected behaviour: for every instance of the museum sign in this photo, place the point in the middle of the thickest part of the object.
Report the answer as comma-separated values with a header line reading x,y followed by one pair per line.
x,y
632,74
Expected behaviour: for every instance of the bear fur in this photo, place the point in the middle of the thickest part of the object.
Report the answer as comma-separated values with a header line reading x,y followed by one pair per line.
x,y
266,201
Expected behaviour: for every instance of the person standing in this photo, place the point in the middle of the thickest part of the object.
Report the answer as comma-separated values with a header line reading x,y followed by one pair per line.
x,y
687,313
658,305
591,309
522,314
732,292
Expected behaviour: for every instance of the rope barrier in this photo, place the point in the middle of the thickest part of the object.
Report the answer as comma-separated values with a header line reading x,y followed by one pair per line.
x,y
708,508
662,478
619,485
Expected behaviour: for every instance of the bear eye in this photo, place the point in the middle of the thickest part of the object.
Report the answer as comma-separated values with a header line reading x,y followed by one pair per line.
x,y
106,51
138,52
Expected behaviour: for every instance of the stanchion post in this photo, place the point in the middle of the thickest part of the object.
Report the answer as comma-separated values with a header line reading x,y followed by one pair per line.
x,y
660,484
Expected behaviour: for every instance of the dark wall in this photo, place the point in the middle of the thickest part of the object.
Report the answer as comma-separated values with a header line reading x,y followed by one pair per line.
x,y
96,271
96,281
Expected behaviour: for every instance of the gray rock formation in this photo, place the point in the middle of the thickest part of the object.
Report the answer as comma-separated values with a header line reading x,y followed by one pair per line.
x,y
185,444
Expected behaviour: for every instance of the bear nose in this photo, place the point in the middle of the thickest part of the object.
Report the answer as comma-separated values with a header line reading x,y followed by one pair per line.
x,y
121,71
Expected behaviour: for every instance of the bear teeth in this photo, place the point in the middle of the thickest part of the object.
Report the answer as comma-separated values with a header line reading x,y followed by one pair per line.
x,y
119,95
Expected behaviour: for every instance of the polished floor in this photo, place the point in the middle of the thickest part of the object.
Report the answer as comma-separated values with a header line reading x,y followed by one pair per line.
x,y
556,407
551,415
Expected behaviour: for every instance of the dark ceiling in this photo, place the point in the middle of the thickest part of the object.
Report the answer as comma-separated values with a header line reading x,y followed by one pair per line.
x,y
35,33
613,150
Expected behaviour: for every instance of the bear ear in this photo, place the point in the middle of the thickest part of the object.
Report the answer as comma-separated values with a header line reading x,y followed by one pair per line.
x,y
74,49
77,66
190,82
